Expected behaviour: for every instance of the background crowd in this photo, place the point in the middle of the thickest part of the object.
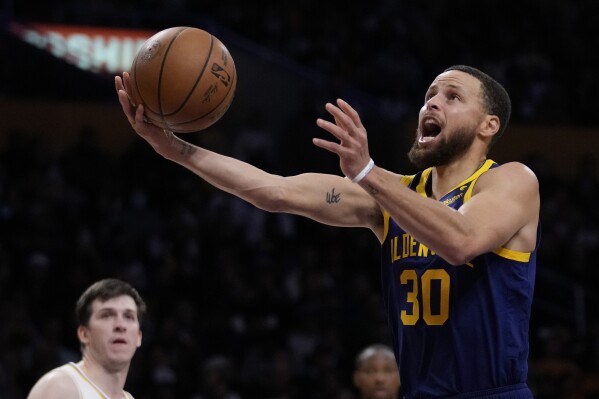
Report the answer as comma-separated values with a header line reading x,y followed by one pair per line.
x,y
246,304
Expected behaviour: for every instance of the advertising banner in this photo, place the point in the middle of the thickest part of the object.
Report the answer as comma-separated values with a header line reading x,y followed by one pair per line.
x,y
95,49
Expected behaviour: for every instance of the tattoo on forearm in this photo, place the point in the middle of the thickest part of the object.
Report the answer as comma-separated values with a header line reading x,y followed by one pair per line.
x,y
332,197
187,149
372,190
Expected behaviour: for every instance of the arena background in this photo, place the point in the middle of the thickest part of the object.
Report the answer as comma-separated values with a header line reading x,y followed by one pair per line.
x,y
256,304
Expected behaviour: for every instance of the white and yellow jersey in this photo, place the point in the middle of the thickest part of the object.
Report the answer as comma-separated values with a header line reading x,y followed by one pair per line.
x,y
87,389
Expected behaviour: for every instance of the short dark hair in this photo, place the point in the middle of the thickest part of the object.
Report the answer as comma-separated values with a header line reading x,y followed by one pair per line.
x,y
496,99
104,290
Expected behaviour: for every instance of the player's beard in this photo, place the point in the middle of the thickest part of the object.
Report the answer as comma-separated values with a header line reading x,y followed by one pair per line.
x,y
448,148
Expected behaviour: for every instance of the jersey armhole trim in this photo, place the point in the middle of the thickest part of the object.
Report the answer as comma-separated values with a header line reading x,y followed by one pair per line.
x,y
512,255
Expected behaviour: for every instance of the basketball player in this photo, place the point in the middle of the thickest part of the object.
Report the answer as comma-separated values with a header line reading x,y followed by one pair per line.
x,y
109,313
376,375
459,238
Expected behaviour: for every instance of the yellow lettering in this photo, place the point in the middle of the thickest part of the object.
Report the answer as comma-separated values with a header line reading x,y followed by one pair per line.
x,y
443,277
415,299
394,255
409,318
409,248
412,246
423,250
405,245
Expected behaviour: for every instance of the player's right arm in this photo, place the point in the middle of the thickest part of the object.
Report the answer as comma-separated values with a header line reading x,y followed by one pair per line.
x,y
329,199
54,385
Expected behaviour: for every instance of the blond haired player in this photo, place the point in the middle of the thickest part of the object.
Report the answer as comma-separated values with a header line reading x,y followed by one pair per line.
x,y
109,313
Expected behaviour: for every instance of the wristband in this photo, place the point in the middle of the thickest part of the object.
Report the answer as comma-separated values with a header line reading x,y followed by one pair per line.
x,y
363,172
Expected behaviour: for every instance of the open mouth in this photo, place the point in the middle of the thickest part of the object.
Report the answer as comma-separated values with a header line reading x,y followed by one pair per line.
x,y
429,129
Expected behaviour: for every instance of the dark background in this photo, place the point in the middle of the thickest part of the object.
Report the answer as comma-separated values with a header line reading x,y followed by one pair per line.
x,y
276,306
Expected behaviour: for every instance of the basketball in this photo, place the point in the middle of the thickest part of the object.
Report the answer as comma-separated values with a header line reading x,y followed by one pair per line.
x,y
185,78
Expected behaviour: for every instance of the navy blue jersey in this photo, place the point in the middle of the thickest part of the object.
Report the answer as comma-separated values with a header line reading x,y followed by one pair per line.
x,y
457,329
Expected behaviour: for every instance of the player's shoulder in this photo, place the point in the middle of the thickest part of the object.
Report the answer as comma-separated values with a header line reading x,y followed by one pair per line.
x,y
512,178
514,167
54,384
513,173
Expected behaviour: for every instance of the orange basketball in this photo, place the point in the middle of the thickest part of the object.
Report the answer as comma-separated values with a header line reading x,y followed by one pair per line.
x,y
185,78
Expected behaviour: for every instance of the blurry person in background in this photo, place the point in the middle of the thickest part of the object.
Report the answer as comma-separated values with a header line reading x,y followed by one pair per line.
x,y
376,375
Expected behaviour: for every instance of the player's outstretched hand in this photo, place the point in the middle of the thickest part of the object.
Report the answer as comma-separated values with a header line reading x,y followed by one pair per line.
x,y
352,147
161,140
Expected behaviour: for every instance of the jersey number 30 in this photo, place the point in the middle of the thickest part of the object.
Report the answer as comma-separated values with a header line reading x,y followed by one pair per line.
x,y
422,301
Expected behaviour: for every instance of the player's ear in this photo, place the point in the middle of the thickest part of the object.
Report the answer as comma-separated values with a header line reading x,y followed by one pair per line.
x,y
83,334
139,336
490,125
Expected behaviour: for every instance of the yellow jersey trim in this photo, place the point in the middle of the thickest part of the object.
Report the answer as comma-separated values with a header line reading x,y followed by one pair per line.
x,y
512,255
421,187
485,167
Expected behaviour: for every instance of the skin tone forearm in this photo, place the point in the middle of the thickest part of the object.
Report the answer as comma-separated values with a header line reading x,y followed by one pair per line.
x,y
326,198
225,173
228,174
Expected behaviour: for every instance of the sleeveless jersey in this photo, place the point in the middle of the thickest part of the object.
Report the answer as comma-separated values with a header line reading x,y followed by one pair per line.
x,y
457,329
87,389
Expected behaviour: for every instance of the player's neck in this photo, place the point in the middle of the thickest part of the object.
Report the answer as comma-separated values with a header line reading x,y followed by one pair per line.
x,y
111,383
446,177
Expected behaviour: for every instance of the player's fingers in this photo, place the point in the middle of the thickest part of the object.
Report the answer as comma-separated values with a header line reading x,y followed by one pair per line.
x,y
336,114
128,109
335,148
342,120
127,81
118,83
350,111
139,115
127,87
333,128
